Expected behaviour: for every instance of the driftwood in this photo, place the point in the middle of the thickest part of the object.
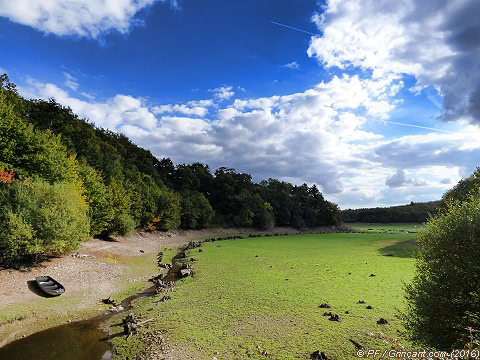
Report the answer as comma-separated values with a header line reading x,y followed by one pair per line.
x,y
357,345
144,322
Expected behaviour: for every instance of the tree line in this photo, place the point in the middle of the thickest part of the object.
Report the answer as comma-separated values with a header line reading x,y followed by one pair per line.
x,y
63,180
413,212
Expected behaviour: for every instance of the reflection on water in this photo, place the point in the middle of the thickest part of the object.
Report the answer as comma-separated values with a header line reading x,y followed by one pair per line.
x,y
81,340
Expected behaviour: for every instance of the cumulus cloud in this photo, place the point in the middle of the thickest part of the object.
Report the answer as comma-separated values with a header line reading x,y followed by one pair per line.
x,y
399,179
421,151
292,65
320,136
223,92
436,41
189,109
110,114
88,18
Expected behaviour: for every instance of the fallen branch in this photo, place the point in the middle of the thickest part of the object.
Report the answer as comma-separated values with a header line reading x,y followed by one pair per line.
x,y
144,322
357,345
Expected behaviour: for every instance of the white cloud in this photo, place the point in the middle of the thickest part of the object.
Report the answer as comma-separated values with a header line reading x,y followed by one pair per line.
x,y
111,114
182,109
223,92
292,65
436,41
88,18
421,151
202,103
70,81
399,179
317,136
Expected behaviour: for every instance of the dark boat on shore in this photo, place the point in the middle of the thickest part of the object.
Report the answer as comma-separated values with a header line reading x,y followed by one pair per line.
x,y
49,285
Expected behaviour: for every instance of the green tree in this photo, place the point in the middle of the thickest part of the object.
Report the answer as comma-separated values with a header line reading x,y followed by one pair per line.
x,y
99,199
263,217
443,298
462,190
40,218
196,211
168,210
31,152
122,223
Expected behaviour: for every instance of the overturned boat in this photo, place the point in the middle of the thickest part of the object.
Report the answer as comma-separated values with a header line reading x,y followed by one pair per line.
x,y
49,285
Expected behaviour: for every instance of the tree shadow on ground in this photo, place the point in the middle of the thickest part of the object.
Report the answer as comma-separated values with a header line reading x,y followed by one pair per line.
x,y
403,249
28,264
105,237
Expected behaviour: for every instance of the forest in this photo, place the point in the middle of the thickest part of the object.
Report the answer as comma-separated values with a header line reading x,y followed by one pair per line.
x,y
410,213
63,180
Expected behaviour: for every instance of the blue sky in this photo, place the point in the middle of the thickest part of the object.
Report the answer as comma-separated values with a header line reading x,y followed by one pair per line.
x,y
201,46
218,82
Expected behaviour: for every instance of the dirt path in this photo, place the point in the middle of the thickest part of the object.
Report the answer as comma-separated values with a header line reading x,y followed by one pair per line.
x,y
99,269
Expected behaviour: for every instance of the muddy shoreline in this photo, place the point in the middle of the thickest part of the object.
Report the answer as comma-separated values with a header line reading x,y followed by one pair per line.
x,y
91,337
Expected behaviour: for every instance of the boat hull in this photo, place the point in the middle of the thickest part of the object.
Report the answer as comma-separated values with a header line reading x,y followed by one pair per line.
x,y
49,285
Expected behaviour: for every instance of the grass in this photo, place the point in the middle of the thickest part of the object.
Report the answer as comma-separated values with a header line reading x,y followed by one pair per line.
x,y
262,294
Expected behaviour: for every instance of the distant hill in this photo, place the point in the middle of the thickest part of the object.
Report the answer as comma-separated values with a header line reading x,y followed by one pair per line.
x,y
413,212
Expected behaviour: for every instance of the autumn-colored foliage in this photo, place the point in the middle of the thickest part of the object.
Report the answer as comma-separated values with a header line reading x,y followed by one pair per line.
x,y
6,177
152,224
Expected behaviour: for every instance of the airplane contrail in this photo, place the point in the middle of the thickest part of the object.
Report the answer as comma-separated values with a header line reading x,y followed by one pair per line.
x,y
384,121
419,127
293,28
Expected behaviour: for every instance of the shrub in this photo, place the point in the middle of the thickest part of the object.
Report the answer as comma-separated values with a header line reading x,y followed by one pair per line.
x,y
443,298
39,218
17,239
